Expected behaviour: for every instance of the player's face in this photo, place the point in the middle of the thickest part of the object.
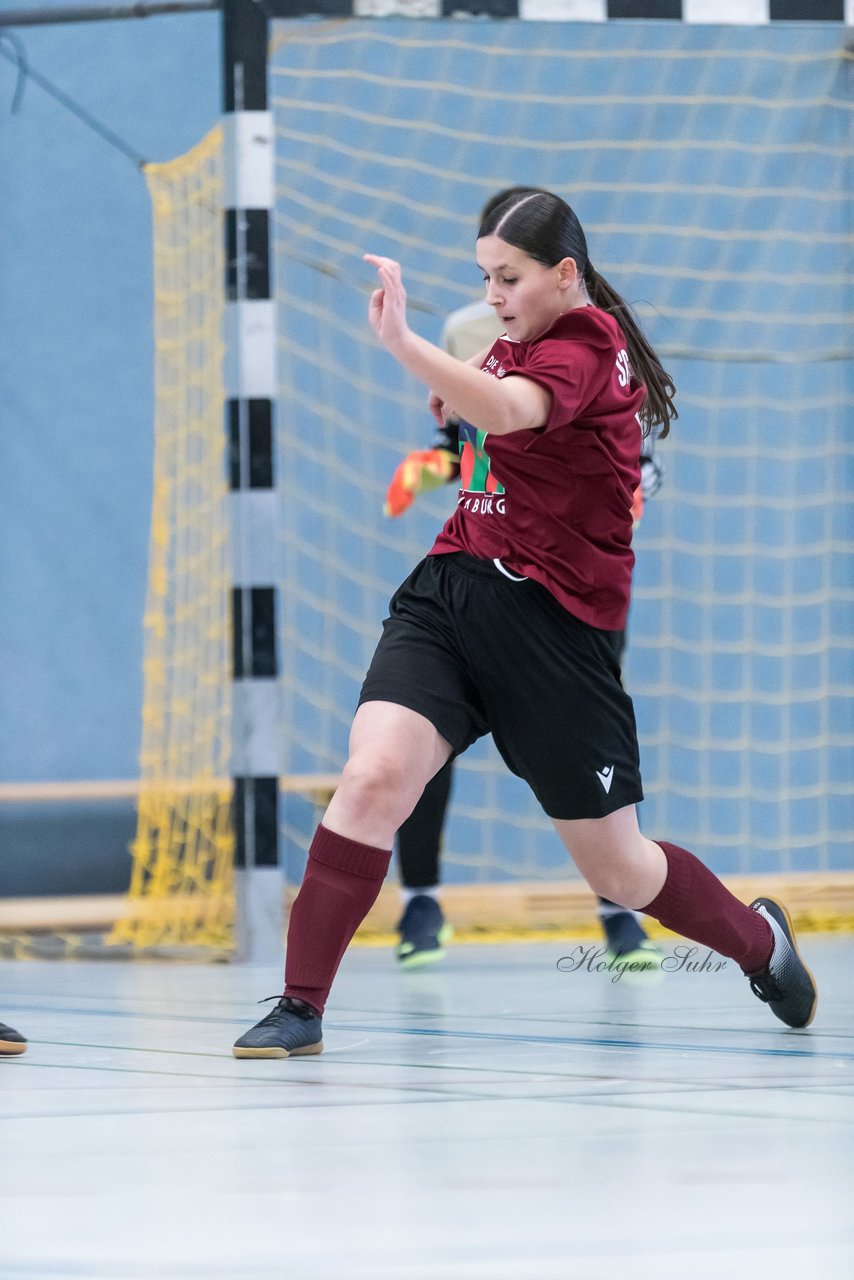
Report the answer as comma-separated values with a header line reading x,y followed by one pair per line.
x,y
527,296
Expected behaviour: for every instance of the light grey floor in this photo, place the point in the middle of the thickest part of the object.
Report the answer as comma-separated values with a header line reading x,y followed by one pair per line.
x,y
494,1118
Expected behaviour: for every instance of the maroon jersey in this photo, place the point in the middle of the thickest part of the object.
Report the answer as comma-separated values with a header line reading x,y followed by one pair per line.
x,y
555,504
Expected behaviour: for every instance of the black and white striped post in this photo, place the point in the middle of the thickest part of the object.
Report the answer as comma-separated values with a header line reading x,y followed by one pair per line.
x,y
250,382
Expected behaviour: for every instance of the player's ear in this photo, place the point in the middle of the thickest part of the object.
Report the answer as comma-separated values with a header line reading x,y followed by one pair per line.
x,y
567,270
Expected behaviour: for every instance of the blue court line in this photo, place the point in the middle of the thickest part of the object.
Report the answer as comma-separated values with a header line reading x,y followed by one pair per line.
x,y
13,1006
420,1093
816,1032
503,1036
644,1098
594,1041
643,1085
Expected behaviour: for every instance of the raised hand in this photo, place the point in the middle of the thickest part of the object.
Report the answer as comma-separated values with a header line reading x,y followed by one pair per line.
x,y
387,309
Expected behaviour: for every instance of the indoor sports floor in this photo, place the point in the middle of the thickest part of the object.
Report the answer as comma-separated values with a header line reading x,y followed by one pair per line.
x,y
489,1118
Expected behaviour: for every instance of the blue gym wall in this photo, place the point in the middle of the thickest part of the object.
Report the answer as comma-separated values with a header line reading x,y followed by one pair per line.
x,y
76,417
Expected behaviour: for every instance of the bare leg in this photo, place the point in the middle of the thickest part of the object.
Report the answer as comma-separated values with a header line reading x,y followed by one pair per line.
x,y
669,883
394,752
616,860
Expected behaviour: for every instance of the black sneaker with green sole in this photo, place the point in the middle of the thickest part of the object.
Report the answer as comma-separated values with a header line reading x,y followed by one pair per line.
x,y
423,933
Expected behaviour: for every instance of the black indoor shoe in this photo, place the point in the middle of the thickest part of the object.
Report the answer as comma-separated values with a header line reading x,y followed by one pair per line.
x,y
11,1041
291,1030
786,986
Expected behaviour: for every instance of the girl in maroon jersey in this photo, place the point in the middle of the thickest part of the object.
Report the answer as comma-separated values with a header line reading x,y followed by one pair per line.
x,y
511,624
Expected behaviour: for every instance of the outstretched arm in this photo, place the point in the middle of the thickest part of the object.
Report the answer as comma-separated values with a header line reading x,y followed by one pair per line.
x,y
444,413
512,404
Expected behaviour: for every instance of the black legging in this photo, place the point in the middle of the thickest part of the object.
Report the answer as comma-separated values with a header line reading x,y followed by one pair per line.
x,y
419,840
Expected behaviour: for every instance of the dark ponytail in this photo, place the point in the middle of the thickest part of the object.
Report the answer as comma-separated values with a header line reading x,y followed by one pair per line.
x,y
548,230
658,409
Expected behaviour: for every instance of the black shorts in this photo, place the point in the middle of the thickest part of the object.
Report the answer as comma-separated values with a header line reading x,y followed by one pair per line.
x,y
475,652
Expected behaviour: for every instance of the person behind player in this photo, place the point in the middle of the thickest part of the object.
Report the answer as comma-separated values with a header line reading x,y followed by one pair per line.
x,y
511,623
11,1041
422,929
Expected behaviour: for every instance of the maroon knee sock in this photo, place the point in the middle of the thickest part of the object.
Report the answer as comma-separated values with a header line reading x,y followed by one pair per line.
x,y
341,883
693,902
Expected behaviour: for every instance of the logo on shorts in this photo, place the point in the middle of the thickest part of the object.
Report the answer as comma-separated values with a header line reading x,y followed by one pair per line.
x,y
606,776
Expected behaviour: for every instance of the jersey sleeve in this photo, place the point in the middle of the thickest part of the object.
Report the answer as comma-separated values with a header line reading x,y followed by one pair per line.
x,y
573,372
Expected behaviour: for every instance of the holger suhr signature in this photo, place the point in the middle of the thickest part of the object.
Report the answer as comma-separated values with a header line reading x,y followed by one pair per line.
x,y
683,959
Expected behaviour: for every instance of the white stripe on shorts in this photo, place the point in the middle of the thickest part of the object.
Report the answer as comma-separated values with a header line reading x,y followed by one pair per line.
x,y
507,574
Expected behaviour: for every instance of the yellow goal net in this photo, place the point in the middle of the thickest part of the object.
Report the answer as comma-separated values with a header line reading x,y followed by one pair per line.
x,y
182,891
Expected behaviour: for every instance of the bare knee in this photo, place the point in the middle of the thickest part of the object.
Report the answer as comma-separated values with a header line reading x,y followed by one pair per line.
x,y
381,784
616,860
612,883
